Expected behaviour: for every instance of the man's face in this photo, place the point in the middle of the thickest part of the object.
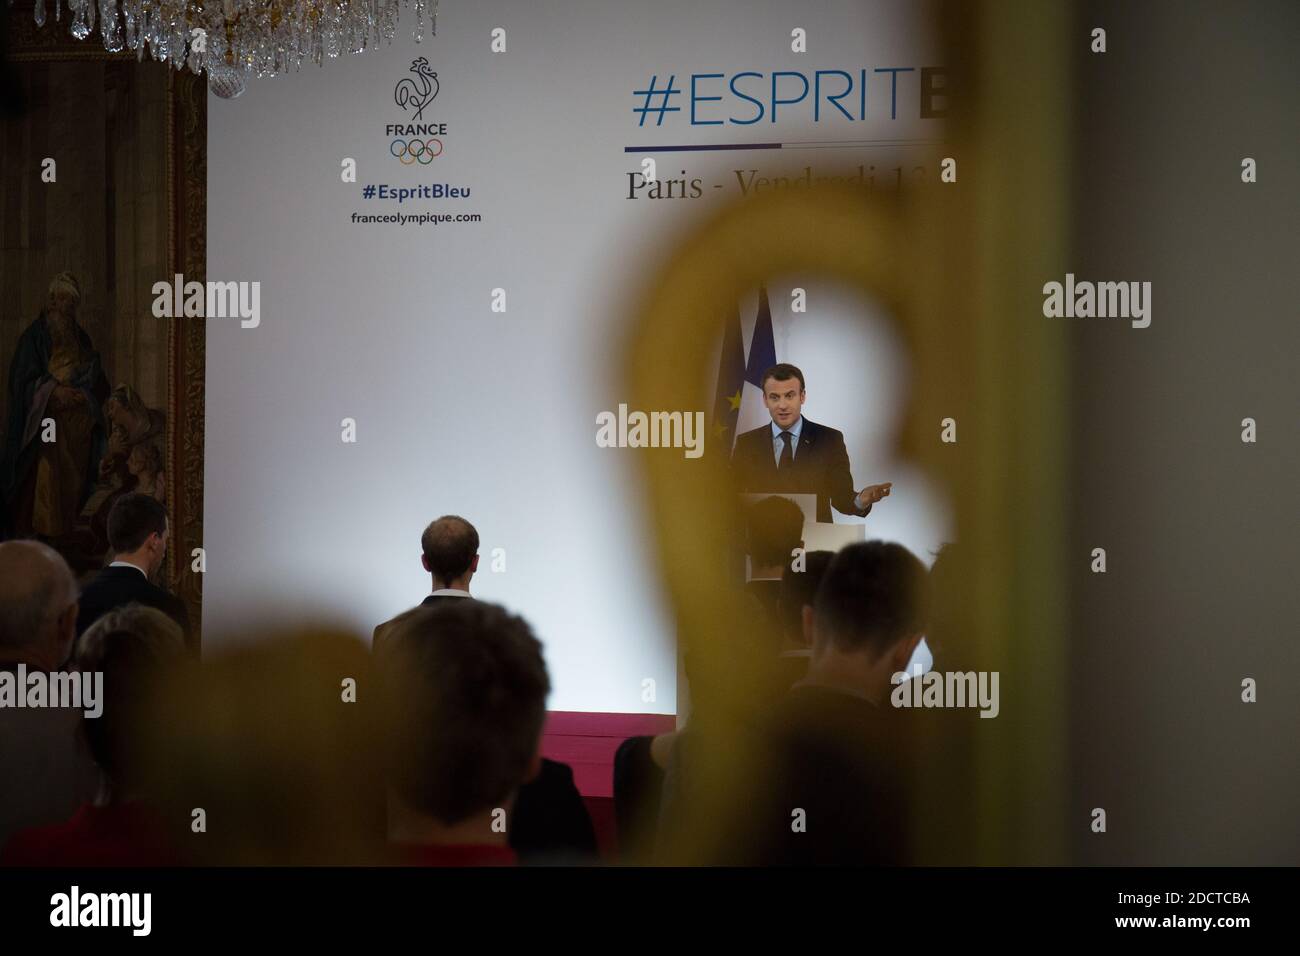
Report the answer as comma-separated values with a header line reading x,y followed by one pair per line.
x,y
784,400
63,303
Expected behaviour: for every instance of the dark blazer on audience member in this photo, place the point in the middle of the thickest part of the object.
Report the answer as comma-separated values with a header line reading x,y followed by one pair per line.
x,y
550,822
838,757
116,587
383,630
638,787
820,467
824,752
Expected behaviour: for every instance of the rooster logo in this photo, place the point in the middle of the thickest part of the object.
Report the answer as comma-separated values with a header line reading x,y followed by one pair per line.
x,y
418,93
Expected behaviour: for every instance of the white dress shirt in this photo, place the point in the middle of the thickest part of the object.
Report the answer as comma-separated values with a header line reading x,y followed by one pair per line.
x,y
778,443
128,564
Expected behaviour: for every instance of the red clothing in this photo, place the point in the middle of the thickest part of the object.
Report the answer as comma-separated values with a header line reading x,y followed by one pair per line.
x,y
127,834
412,854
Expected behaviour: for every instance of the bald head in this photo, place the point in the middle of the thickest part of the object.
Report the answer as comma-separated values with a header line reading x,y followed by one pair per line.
x,y
450,546
38,603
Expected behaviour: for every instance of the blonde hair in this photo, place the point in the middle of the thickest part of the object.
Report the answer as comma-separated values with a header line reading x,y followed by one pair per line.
x,y
157,632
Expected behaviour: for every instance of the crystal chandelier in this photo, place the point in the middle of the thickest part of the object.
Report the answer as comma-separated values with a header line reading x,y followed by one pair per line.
x,y
231,38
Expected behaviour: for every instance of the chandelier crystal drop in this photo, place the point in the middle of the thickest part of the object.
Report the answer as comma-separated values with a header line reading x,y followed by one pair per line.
x,y
232,38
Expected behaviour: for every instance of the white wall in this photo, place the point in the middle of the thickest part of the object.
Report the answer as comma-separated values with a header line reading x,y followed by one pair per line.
x,y
487,415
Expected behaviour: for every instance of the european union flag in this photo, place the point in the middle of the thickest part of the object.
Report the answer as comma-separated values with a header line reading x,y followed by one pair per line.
x,y
731,381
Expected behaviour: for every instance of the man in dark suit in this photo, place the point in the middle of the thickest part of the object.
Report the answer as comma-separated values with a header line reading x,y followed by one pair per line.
x,y
137,533
793,455
551,822
449,549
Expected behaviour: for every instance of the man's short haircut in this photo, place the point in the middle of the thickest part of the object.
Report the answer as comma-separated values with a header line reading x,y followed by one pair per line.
x,y
132,519
464,688
774,529
798,588
131,646
783,372
449,544
871,597
36,587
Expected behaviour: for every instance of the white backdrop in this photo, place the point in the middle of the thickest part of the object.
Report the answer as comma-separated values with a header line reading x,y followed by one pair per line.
x,y
489,415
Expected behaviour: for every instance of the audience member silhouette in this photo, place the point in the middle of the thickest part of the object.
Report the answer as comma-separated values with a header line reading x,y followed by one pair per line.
x,y
464,687
133,649
47,772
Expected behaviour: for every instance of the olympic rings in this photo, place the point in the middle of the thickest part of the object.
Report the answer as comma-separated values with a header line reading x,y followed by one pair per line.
x,y
420,151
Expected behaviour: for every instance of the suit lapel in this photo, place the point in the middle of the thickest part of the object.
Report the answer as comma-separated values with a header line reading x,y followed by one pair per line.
x,y
807,442
767,457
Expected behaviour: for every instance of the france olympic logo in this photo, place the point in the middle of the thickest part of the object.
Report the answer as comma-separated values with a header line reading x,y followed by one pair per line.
x,y
409,152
